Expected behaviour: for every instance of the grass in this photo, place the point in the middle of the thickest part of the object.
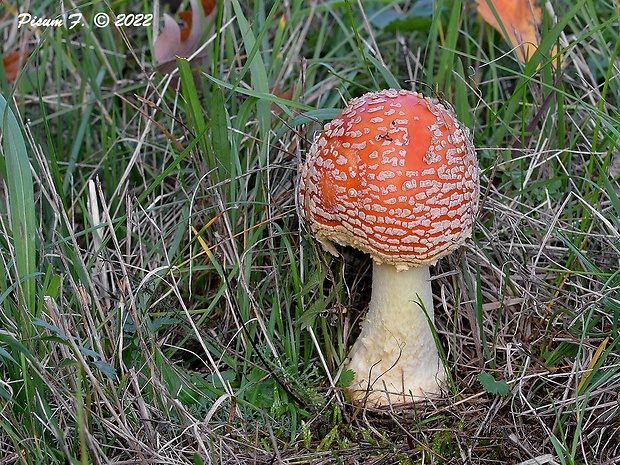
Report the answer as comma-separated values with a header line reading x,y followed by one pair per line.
x,y
161,301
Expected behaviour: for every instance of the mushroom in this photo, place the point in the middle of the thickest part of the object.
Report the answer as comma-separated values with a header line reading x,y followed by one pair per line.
x,y
394,175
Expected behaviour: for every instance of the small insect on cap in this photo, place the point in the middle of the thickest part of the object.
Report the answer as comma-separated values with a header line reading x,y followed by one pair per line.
x,y
394,175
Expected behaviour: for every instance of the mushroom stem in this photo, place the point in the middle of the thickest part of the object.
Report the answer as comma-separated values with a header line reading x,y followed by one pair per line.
x,y
395,358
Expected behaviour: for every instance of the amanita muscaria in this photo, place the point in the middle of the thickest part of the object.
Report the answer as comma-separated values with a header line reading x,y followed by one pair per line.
x,y
395,175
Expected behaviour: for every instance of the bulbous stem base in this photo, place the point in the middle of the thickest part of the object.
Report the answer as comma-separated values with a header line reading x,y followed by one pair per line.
x,y
395,358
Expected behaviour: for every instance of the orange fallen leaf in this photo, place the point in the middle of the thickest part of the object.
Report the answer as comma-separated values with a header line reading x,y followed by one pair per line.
x,y
186,16
13,63
519,18
208,6
183,42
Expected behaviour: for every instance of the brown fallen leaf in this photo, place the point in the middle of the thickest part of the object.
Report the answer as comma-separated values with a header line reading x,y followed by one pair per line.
x,y
183,42
285,94
13,63
520,19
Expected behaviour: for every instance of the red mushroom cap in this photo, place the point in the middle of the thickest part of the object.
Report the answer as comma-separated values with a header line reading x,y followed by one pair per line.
x,y
394,175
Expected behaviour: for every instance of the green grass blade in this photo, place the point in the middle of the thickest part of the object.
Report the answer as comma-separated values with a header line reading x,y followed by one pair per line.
x,y
283,103
258,69
193,108
219,137
85,124
21,202
446,61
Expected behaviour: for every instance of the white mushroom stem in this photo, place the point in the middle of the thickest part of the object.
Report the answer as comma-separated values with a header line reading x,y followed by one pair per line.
x,y
395,358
